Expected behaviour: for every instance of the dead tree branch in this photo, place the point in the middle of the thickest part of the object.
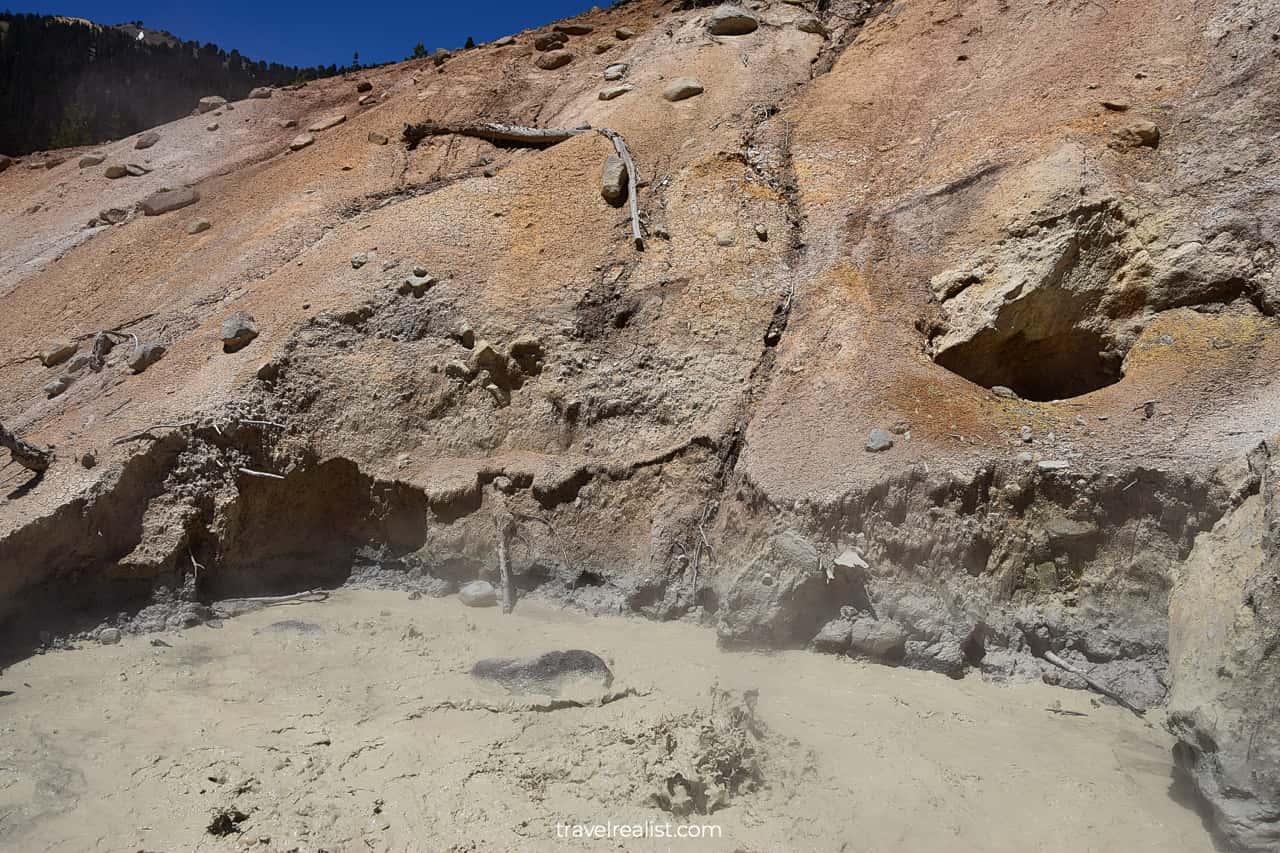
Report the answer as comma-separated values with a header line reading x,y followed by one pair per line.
x,y
249,472
620,145
504,524
496,132
146,433
1101,688
26,454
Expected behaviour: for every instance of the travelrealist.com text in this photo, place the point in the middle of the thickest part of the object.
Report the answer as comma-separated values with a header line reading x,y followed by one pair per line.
x,y
644,829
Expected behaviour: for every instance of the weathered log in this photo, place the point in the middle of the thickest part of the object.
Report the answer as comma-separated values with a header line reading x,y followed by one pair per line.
x,y
26,454
497,132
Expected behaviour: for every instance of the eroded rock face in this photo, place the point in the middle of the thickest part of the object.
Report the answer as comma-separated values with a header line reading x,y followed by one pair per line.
x,y
838,240
1224,624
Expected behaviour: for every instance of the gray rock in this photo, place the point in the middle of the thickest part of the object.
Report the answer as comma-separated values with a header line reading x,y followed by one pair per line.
x,y
1026,435
762,232
115,171
879,441
358,260
603,47
166,201
211,126
56,352
1004,392
113,215
58,386
1137,134
550,41
553,59
610,92
416,285
209,103
287,123
834,638
109,636
945,656
478,594
624,33
238,331
616,71
364,86
812,26
1050,465
378,138
574,29
613,180
92,160
505,41
548,674
729,20
145,355
302,140
137,170
881,639
5,162
326,123
726,235
146,140
79,362
260,93
196,226
682,88
366,100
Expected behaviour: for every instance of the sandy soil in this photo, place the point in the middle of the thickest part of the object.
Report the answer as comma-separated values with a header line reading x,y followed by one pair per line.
x,y
352,724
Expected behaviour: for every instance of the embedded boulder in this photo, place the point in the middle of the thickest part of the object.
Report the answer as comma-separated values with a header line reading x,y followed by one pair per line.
x,y
166,201
613,180
730,20
682,88
238,331
553,59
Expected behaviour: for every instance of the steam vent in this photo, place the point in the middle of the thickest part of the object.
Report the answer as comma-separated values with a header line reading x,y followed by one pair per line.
x,y
841,425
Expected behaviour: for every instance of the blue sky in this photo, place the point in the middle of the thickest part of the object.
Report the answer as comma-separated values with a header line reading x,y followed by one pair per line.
x,y
319,32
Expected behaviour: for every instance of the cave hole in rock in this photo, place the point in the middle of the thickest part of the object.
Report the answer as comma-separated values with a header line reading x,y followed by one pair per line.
x,y
1042,346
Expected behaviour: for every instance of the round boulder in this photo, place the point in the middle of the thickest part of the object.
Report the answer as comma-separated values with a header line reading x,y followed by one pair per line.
x,y
728,20
554,59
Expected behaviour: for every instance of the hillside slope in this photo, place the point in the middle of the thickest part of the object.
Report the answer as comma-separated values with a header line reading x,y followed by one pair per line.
x,y
951,343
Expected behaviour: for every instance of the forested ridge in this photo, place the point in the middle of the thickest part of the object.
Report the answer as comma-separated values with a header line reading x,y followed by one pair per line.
x,y
65,81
